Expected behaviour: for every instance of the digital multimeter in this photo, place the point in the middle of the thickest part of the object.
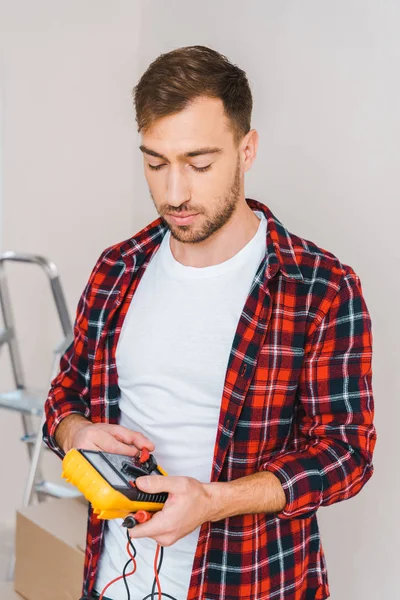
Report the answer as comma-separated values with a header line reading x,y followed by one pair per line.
x,y
108,481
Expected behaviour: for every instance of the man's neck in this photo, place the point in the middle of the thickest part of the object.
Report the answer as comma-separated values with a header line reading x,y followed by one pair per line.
x,y
222,245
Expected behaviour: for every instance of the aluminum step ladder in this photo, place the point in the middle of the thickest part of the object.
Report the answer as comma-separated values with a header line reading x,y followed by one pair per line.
x,y
30,402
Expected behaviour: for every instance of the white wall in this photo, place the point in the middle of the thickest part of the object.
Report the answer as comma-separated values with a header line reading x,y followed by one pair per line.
x,y
66,73
326,91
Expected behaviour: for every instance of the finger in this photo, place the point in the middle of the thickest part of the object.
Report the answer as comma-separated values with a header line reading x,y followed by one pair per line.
x,y
90,446
132,437
87,445
96,447
153,528
158,483
108,443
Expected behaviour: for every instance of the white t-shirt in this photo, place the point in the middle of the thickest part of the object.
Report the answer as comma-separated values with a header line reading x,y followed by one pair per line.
x,y
172,357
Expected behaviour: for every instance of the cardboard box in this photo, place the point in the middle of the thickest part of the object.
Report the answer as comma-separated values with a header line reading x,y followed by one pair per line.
x,y
7,591
50,543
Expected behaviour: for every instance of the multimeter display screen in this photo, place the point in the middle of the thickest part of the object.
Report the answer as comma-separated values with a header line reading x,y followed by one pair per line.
x,y
105,469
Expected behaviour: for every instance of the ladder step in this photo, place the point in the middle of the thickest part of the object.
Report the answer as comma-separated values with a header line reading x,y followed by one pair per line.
x,y
24,400
31,439
57,490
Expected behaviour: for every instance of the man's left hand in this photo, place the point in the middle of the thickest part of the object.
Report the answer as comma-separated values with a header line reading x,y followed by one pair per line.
x,y
188,505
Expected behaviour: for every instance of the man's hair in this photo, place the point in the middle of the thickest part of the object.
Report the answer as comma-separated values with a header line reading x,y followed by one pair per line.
x,y
175,79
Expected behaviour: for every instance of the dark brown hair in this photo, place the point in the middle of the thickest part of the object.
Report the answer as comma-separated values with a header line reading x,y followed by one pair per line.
x,y
176,78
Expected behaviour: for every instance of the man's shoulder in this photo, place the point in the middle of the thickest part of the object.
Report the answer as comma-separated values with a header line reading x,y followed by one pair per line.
x,y
327,280
140,243
303,259
319,264
115,260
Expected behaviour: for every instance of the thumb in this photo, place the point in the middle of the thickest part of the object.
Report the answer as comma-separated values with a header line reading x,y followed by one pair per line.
x,y
152,483
132,437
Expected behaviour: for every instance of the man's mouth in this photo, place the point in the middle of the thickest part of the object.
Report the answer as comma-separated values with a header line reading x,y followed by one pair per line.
x,y
183,219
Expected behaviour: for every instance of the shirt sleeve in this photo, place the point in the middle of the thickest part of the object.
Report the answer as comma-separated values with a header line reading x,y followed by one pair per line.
x,y
70,389
333,460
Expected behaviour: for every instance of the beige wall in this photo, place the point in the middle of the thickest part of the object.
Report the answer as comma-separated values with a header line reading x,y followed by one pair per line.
x,y
66,72
326,92
326,87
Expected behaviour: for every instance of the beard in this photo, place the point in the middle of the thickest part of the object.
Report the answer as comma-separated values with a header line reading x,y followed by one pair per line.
x,y
223,211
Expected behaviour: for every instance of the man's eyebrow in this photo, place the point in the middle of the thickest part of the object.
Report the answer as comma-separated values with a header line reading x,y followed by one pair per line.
x,y
198,152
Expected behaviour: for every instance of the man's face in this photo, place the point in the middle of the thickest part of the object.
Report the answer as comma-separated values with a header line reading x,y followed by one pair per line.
x,y
193,203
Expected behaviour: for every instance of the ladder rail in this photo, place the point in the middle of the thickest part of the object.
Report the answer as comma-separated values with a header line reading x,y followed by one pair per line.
x,y
52,274
8,337
8,334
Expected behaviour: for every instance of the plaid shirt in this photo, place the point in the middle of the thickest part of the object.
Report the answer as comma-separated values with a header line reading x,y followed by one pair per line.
x,y
297,401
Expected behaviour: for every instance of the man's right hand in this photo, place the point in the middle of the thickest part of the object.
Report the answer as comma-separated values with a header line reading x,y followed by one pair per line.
x,y
75,431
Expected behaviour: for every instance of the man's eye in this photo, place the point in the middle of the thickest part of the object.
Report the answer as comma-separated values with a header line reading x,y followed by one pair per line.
x,y
201,168
198,169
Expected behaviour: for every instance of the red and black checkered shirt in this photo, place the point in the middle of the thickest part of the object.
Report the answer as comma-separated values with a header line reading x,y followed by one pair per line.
x,y
297,401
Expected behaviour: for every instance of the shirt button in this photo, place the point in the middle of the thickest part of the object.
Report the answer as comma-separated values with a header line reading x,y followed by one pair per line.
x,y
243,370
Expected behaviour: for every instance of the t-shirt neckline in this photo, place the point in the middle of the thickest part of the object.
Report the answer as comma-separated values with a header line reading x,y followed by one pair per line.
x,y
177,269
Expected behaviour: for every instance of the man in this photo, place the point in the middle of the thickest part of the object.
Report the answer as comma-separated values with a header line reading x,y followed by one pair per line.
x,y
238,352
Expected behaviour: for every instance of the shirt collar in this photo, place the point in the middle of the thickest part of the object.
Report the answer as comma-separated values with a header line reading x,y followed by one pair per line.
x,y
279,247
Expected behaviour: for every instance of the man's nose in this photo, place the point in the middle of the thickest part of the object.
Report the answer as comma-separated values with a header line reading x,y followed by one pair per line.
x,y
177,188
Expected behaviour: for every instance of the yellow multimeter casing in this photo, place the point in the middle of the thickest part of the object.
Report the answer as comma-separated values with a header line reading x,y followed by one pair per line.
x,y
107,481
